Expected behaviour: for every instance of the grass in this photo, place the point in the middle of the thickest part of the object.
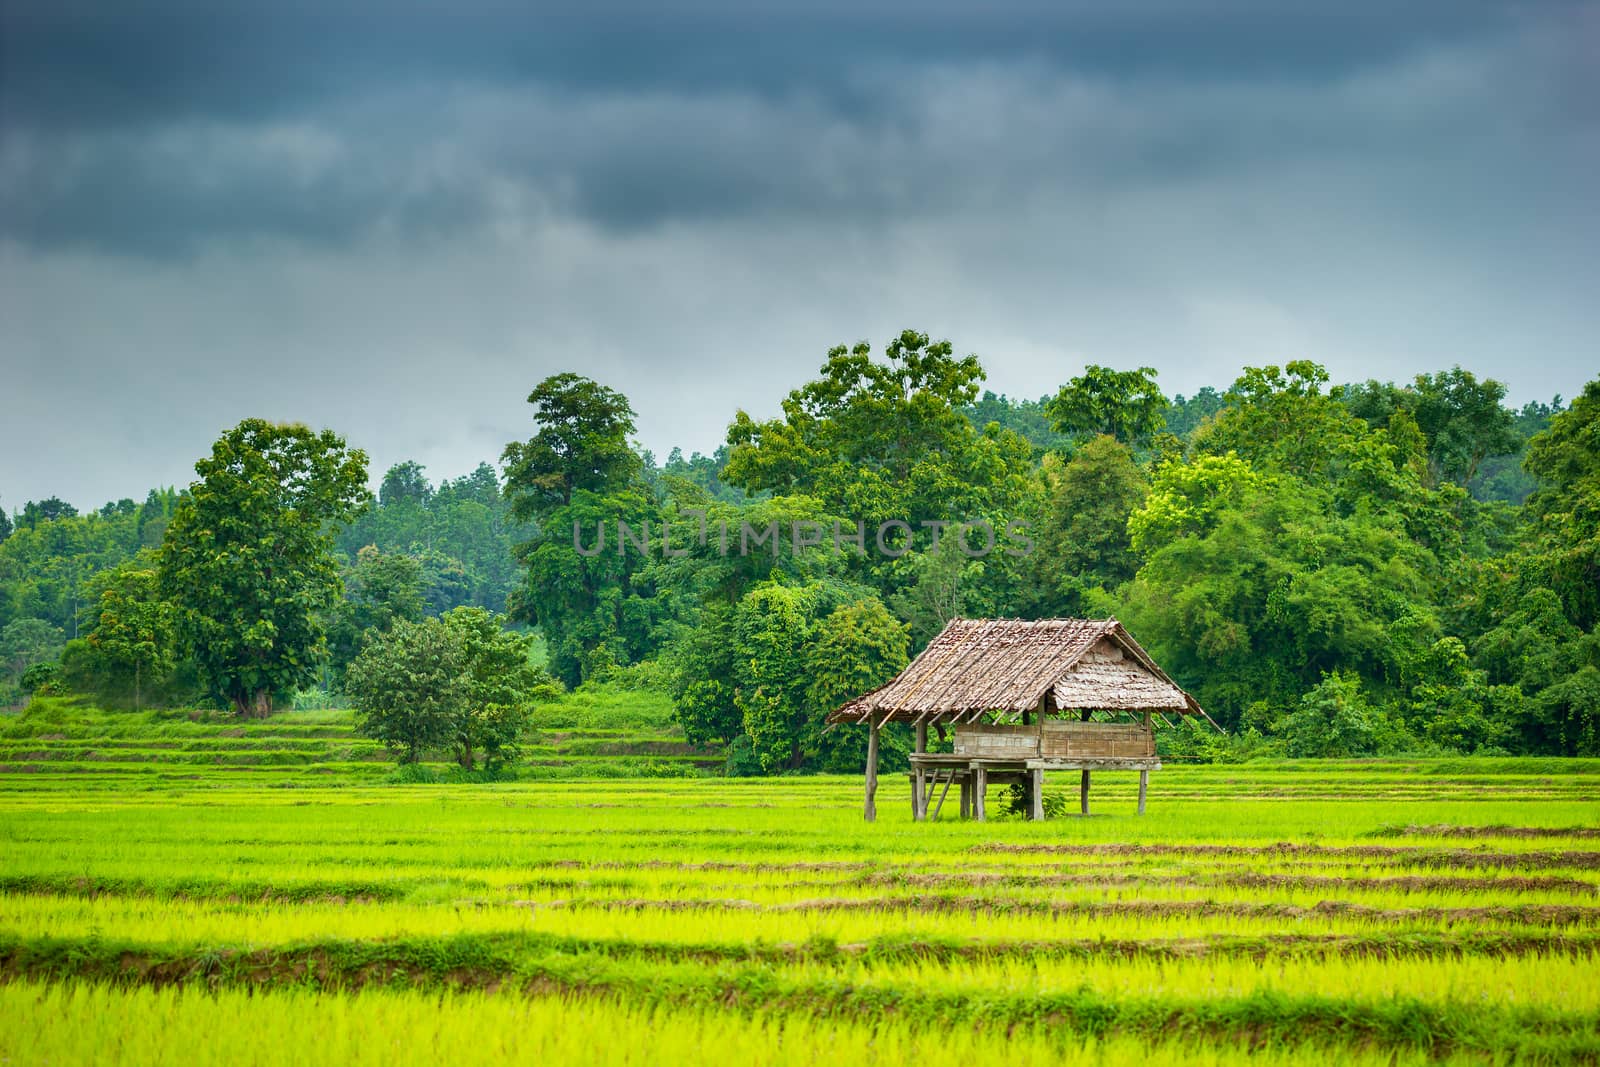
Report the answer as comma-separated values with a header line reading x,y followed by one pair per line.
x,y
167,894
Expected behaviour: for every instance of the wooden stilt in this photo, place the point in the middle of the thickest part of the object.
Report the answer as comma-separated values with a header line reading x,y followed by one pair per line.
x,y
937,808
1083,792
1038,794
918,777
1144,786
870,813
922,737
966,797
980,785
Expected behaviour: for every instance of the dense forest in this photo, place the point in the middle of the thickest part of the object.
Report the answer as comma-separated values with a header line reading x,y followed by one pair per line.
x,y
1332,570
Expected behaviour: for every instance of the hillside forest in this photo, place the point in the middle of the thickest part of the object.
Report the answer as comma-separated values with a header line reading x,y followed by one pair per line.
x,y
1354,569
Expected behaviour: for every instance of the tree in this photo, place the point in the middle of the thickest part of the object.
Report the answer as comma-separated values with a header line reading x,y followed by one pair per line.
x,y
460,682
409,686
1084,536
131,631
1566,507
248,557
5,524
856,648
578,473
380,588
1464,423
1125,404
405,483
581,443
35,512
501,682
885,440
25,642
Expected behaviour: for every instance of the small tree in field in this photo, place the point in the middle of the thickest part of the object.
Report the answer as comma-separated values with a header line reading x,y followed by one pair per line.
x,y
409,687
460,681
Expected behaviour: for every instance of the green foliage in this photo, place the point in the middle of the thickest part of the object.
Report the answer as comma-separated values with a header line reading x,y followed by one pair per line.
x,y
409,687
576,474
131,642
1084,536
1333,720
25,643
1566,507
581,445
1126,405
770,668
460,681
879,441
43,679
248,557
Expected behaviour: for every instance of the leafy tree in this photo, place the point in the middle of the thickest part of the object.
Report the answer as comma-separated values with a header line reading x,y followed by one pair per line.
x,y
25,642
409,687
943,584
460,681
1126,405
1464,422
1566,507
1028,419
856,648
581,444
5,524
578,473
380,589
35,512
43,679
1184,416
131,632
1333,720
876,441
248,557
405,483
1084,536
502,681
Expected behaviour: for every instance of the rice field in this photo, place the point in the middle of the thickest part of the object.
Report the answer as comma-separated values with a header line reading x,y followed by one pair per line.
x,y
167,910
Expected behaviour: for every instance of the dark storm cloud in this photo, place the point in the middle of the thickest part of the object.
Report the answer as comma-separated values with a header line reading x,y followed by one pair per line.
x,y
146,133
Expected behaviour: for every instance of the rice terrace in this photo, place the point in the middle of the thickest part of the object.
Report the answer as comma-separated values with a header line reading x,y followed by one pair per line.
x,y
175,887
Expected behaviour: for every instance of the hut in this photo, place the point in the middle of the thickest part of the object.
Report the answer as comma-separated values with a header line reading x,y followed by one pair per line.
x,y
1022,698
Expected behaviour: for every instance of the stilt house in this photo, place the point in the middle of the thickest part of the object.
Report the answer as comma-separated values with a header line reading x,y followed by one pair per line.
x,y
1022,698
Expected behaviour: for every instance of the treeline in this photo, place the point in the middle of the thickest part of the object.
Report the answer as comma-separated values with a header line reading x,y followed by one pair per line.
x,y
1332,570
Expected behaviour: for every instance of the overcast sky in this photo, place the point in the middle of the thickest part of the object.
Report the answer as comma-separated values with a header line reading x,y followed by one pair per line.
x,y
396,225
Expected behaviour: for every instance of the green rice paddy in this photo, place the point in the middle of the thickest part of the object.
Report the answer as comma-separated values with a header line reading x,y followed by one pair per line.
x,y
204,891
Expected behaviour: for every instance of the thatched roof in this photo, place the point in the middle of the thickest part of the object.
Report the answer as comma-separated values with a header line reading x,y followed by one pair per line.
x,y
1006,666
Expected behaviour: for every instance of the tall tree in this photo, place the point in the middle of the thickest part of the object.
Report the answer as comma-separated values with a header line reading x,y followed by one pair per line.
x,y
578,474
1125,404
581,444
248,557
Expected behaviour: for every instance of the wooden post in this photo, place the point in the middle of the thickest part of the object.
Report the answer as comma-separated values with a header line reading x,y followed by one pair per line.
x,y
966,797
1038,793
1083,792
871,812
1144,784
919,805
980,785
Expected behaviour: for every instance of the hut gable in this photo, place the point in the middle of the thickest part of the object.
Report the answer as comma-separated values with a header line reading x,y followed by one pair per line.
x,y
1008,666
1105,678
